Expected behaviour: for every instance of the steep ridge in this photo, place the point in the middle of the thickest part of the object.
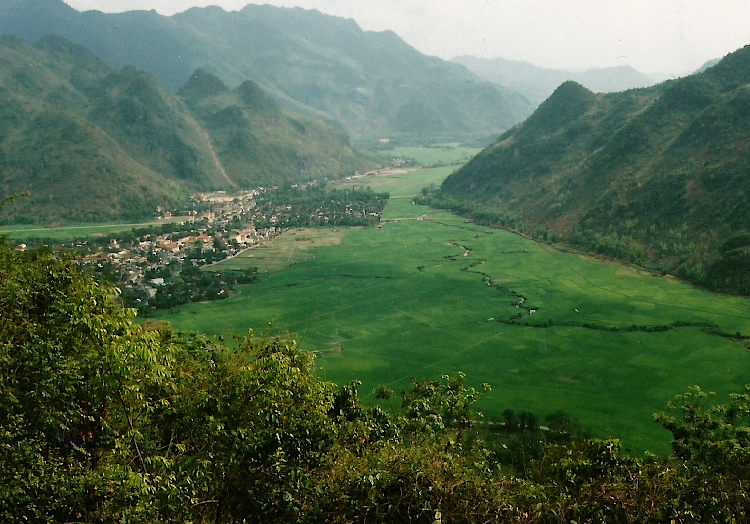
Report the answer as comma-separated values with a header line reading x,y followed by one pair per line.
x,y
246,123
373,84
56,139
658,176
90,143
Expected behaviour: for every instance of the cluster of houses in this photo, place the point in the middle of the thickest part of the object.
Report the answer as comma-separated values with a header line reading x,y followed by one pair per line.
x,y
202,237
217,226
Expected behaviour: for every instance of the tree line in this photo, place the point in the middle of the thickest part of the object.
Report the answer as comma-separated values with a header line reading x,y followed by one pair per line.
x,y
318,205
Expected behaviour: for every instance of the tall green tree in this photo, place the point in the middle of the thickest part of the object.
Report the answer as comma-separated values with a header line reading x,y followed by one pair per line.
x,y
77,380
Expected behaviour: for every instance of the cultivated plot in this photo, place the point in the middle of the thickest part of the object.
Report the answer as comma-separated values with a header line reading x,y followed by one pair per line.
x,y
291,247
72,232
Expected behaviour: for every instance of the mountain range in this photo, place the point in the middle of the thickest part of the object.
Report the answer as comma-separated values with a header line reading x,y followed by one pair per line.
x,y
371,83
537,83
89,142
659,175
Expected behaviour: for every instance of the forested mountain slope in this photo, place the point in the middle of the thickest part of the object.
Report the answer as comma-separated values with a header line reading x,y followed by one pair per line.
x,y
91,143
258,142
374,84
659,176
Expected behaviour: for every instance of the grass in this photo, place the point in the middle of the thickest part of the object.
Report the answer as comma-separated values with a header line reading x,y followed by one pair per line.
x,y
72,232
289,248
440,154
411,299
400,183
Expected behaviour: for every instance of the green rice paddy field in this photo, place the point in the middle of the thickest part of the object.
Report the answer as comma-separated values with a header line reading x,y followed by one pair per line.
x,y
72,232
428,294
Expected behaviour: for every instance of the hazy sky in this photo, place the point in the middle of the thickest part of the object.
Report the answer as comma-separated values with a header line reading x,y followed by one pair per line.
x,y
670,36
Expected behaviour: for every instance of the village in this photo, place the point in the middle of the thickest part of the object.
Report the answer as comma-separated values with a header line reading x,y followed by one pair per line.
x,y
167,263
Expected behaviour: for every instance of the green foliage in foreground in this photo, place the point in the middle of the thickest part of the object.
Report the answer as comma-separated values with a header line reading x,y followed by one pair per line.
x,y
105,420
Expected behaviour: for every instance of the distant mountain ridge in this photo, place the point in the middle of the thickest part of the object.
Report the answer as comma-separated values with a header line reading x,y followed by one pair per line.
x,y
659,176
92,143
537,83
374,84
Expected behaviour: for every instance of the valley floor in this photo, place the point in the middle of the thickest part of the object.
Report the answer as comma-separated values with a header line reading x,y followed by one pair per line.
x,y
428,293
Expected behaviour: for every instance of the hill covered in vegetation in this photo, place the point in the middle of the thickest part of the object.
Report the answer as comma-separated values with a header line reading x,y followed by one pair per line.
x,y
658,176
91,143
258,142
103,419
373,84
